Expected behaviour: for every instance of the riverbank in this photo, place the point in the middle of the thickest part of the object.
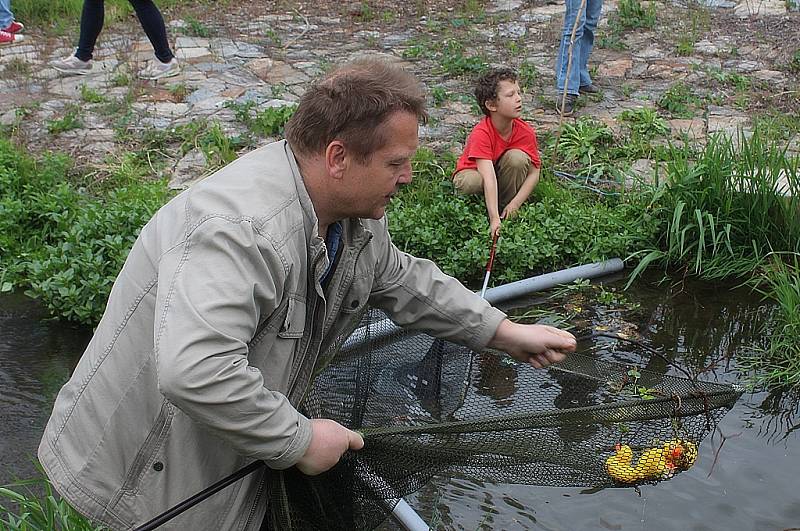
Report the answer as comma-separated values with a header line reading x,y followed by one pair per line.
x,y
704,68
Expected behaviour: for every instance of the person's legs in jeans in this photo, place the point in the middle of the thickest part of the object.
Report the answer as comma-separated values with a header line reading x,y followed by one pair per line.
x,y
153,24
92,17
574,81
6,16
593,9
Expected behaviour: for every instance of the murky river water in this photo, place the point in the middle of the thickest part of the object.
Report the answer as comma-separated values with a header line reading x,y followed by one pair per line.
x,y
754,483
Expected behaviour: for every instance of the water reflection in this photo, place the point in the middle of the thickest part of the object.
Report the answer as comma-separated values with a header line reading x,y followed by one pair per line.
x,y
496,379
36,357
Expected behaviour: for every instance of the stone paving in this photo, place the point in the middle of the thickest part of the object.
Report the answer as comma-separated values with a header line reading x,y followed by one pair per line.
x,y
269,59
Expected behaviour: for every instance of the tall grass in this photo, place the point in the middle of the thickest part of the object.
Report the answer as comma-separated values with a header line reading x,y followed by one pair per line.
x,y
779,365
63,14
33,506
723,212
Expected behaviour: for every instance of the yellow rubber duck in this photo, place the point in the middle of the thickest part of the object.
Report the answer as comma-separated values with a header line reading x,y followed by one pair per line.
x,y
653,464
681,453
619,465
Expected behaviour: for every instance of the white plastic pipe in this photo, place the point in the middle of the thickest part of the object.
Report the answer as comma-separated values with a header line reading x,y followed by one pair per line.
x,y
408,517
520,288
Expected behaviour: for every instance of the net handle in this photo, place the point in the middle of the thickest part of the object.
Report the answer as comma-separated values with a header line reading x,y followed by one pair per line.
x,y
489,264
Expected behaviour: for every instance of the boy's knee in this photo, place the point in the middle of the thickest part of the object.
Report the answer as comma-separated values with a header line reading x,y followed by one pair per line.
x,y
468,182
515,159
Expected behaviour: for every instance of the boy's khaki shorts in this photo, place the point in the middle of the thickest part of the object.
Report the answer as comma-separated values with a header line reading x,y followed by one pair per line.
x,y
511,170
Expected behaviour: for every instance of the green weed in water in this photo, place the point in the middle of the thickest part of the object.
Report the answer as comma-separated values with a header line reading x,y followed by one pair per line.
x,y
34,506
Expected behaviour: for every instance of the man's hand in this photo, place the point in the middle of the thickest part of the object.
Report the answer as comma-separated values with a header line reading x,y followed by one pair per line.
x,y
539,345
329,440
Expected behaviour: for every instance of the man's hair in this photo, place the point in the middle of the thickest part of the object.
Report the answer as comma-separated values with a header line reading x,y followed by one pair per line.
x,y
486,86
350,104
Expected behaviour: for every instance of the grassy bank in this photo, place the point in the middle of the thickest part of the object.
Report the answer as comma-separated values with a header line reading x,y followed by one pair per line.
x,y
716,212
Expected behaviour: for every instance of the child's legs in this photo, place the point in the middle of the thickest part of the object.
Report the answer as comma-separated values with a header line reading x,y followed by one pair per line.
x,y
512,169
468,182
153,24
92,18
6,16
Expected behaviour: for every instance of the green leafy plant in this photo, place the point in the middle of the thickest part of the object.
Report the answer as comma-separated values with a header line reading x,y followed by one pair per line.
x,y
65,246
196,28
633,15
722,213
679,100
439,95
69,121
685,45
645,123
35,506
267,122
528,75
794,61
90,95
585,143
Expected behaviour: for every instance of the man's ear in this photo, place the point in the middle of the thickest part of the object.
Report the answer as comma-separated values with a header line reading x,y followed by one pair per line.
x,y
491,105
336,159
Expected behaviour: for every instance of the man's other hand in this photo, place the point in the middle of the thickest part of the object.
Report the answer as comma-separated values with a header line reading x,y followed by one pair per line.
x,y
329,441
539,345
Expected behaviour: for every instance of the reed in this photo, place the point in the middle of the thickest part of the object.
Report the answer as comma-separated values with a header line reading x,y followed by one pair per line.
x,y
724,211
779,364
33,505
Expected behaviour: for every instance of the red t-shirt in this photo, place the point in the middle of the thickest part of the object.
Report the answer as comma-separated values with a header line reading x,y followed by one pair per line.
x,y
484,142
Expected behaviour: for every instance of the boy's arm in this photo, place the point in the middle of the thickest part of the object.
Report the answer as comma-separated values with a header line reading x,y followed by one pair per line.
x,y
524,192
486,169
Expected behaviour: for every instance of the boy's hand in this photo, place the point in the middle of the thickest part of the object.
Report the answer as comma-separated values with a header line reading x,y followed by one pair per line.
x,y
494,227
509,210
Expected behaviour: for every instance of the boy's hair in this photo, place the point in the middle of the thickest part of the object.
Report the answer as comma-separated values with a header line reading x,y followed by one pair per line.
x,y
486,86
350,104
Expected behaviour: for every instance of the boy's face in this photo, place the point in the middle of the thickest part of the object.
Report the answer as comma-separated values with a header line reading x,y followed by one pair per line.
x,y
508,103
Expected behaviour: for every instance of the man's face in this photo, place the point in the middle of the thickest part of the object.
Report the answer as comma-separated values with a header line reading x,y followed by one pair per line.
x,y
372,184
509,100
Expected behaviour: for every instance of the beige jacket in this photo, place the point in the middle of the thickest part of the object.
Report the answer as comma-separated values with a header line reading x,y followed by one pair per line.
x,y
209,341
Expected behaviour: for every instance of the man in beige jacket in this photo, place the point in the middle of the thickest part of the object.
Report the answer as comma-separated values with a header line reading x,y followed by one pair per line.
x,y
231,295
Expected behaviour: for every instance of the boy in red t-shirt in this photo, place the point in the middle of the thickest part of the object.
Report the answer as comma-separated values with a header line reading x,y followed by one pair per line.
x,y
501,156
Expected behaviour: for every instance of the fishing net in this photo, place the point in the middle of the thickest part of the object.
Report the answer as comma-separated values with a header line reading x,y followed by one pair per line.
x,y
429,407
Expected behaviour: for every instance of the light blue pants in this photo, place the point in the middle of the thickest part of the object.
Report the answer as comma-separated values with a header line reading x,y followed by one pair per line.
x,y
6,16
582,49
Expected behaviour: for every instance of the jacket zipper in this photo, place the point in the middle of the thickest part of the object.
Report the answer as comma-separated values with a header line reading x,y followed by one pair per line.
x,y
259,492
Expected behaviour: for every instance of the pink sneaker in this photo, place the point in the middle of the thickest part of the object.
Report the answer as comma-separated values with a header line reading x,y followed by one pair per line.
x,y
15,27
9,38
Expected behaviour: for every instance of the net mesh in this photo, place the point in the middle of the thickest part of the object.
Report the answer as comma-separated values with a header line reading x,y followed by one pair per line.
x,y
429,407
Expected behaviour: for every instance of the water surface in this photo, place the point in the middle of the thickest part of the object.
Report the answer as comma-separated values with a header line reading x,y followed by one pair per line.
x,y
701,327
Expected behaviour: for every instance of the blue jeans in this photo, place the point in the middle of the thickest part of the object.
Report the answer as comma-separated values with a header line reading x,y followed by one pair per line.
x,y
584,41
6,16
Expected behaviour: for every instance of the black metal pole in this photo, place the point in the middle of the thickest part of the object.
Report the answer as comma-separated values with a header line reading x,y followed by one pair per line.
x,y
188,503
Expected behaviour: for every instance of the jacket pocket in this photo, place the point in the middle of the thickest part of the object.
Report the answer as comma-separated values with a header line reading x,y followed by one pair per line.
x,y
149,449
295,321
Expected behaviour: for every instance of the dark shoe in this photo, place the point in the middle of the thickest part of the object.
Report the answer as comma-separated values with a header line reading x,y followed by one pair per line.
x,y
589,89
569,104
